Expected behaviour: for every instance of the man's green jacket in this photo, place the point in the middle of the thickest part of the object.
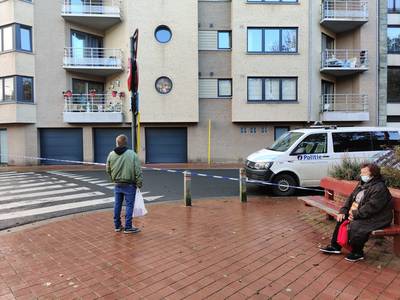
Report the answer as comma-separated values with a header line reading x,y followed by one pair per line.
x,y
123,166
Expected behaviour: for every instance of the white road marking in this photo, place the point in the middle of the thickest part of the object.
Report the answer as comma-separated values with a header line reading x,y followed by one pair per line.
x,y
98,181
49,200
152,198
30,185
106,184
19,177
38,179
47,193
55,208
15,174
40,188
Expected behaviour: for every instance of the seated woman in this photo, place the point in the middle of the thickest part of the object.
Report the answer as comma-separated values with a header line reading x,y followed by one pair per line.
x,y
368,208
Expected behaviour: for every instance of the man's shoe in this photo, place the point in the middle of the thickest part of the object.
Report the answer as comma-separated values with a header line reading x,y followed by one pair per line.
x,y
119,229
132,230
330,250
354,257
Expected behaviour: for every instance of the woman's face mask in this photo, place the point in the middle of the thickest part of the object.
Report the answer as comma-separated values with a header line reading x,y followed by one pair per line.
x,y
365,178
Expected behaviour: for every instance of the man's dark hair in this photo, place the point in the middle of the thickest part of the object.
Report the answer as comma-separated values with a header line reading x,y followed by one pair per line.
x,y
374,169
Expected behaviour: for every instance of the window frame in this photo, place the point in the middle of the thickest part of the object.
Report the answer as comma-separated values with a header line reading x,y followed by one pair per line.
x,y
18,40
280,100
263,29
218,90
390,99
230,39
18,89
395,10
392,26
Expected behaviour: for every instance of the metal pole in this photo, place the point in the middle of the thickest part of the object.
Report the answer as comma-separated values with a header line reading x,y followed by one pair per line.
x,y
133,96
242,187
187,184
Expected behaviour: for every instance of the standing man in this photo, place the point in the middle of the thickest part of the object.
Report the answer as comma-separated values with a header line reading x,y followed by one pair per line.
x,y
123,166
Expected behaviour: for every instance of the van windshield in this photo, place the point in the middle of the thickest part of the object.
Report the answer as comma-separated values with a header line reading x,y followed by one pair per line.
x,y
285,141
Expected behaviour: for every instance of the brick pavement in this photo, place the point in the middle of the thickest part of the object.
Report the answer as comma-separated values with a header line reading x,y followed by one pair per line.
x,y
217,249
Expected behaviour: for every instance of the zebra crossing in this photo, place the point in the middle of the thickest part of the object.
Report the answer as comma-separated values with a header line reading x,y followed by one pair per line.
x,y
102,183
27,197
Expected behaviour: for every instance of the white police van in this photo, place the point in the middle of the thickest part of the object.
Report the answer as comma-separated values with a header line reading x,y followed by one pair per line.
x,y
302,157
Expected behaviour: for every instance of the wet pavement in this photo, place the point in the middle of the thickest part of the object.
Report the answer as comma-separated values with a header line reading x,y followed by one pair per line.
x,y
217,249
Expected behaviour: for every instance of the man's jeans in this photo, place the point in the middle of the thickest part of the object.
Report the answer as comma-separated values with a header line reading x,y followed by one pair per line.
x,y
121,191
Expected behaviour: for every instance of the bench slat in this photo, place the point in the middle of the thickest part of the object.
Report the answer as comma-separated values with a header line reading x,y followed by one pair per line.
x,y
392,230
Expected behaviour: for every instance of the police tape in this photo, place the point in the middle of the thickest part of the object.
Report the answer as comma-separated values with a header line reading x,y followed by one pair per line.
x,y
252,181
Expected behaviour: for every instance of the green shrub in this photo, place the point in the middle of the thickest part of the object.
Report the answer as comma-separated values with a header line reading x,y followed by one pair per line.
x,y
348,169
391,176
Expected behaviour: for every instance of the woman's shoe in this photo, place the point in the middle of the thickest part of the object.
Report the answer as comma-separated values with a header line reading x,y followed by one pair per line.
x,y
353,257
330,250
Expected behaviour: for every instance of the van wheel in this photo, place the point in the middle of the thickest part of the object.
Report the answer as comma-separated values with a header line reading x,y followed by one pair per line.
x,y
283,189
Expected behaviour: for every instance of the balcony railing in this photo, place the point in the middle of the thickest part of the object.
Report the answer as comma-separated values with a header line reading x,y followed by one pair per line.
x,y
344,103
93,57
92,7
343,62
80,103
345,9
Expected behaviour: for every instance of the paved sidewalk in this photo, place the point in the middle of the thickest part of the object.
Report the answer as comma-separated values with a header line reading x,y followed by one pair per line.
x,y
267,248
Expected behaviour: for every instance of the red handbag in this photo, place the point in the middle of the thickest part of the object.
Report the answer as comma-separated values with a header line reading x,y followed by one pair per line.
x,y
343,235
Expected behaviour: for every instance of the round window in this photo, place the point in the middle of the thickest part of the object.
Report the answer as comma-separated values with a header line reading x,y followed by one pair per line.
x,y
163,34
163,85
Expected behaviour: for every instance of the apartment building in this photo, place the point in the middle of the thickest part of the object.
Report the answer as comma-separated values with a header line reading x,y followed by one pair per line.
x,y
252,69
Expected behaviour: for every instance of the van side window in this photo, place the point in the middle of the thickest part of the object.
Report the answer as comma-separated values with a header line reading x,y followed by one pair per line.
x,y
352,141
312,144
383,140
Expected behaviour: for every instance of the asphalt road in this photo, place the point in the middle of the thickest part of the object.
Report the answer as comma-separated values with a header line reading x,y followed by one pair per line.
x,y
33,196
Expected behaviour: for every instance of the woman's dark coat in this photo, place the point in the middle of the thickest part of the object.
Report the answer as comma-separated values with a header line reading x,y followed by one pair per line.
x,y
375,210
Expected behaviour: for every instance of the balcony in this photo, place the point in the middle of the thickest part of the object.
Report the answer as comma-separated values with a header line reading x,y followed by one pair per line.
x,y
344,62
344,15
344,107
93,61
17,113
87,108
96,14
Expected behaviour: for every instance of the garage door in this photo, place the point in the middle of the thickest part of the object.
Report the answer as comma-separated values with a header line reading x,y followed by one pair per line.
x,y
104,141
166,145
64,144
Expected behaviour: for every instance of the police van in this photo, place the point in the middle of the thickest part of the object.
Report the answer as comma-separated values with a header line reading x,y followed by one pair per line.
x,y
302,157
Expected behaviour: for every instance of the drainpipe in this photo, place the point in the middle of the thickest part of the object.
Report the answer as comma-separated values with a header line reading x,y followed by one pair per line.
x,y
378,31
310,57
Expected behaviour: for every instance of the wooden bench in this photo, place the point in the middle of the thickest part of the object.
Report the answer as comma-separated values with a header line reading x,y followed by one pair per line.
x,y
336,192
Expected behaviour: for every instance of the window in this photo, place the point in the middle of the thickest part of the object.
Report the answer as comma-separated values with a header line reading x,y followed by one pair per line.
x,y
352,141
280,131
16,89
312,144
24,38
383,140
273,1
163,34
393,39
224,87
284,140
393,86
393,6
224,40
271,89
25,89
21,34
7,38
272,40
163,85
